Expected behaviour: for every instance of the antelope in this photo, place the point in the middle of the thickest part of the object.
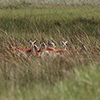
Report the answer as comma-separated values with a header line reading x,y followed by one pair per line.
x,y
27,52
51,44
38,52
83,48
63,51
49,50
53,52
64,44
46,50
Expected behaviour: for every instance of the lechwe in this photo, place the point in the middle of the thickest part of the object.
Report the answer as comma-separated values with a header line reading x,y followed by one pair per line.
x,y
64,44
26,52
53,52
82,49
64,51
39,52
46,51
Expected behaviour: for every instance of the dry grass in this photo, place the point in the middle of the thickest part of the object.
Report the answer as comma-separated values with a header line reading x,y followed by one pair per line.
x,y
61,74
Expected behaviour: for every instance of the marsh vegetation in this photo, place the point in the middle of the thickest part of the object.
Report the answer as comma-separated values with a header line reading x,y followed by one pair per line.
x,y
63,77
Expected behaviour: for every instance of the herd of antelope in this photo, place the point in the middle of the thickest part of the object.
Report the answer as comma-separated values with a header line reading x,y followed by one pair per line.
x,y
50,50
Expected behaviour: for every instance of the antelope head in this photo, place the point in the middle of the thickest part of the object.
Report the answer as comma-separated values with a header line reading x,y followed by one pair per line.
x,y
33,44
43,45
64,44
51,44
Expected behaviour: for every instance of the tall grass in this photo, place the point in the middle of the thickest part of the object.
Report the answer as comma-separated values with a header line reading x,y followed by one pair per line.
x,y
69,76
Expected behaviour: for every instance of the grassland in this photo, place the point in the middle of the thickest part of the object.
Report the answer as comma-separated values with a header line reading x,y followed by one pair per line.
x,y
72,77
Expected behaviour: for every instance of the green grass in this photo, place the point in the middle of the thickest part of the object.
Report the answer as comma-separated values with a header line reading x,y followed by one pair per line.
x,y
47,18
84,84
71,77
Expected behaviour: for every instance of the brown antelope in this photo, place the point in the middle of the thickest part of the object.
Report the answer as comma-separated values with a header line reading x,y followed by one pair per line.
x,y
63,51
49,50
27,52
64,44
53,52
82,49
44,50
38,52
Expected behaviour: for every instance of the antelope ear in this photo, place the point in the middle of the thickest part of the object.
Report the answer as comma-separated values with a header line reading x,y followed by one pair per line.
x,y
67,42
30,41
35,41
62,42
